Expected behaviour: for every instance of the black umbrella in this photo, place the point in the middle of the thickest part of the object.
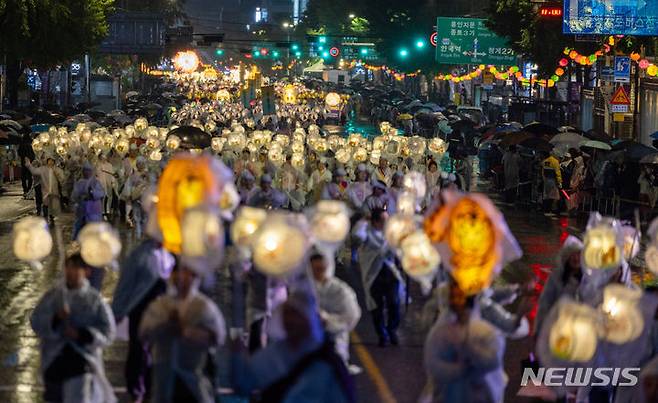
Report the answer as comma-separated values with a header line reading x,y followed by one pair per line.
x,y
191,137
537,144
633,150
540,128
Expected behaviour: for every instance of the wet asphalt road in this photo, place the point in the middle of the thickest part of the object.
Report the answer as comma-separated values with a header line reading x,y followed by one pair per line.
x,y
391,374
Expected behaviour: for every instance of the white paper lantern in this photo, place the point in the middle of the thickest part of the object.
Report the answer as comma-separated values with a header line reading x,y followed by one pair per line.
x,y
354,140
360,155
407,203
247,222
141,124
330,221
217,144
279,246
202,239
419,258
415,183
31,239
398,227
573,336
155,155
623,318
173,142
99,244
236,141
332,100
122,146
343,155
601,248
230,199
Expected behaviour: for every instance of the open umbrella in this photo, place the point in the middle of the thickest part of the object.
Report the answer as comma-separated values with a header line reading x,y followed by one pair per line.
x,y
633,150
650,159
405,116
11,123
599,145
569,139
540,128
514,138
191,137
536,144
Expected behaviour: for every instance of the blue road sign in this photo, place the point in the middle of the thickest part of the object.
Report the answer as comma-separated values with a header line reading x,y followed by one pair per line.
x,y
607,73
622,69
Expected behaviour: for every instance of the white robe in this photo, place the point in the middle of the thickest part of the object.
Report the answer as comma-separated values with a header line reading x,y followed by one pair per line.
x,y
88,311
340,311
357,194
175,356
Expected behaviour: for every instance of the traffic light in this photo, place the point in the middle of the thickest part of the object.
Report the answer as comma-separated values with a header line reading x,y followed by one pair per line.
x,y
325,55
364,52
403,53
275,54
298,54
294,47
322,39
420,44
219,52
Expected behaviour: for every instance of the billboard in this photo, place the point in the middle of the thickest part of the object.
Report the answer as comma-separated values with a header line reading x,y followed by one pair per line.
x,y
468,41
611,17
135,33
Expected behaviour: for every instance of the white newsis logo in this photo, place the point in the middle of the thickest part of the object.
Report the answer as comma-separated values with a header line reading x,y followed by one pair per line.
x,y
581,376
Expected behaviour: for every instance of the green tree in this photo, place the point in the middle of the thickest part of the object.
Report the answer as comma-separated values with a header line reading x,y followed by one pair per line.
x,y
45,33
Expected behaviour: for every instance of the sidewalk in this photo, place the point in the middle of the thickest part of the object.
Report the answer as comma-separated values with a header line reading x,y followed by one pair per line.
x,y
12,204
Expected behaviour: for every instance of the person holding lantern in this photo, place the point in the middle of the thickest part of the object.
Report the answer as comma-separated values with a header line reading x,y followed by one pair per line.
x,y
379,199
464,355
338,306
88,194
337,188
51,178
266,196
142,279
73,324
359,190
182,327
380,275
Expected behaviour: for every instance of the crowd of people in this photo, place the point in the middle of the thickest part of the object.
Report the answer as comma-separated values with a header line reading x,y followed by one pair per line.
x,y
292,343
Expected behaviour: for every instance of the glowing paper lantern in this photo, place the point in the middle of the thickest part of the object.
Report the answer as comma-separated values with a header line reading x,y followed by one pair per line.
x,y
332,100
573,336
360,155
330,222
289,94
223,95
279,246
573,54
623,318
635,56
99,244
419,258
202,238
173,142
563,62
246,223
601,248
32,240
644,63
217,144
186,182
559,72
415,183
437,146
186,62
652,70
141,124
398,227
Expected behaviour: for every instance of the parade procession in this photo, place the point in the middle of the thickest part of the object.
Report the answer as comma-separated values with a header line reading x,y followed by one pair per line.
x,y
200,206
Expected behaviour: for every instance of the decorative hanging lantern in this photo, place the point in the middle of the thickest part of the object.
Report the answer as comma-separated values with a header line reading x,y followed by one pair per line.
x,y
623,318
289,94
99,244
332,100
173,142
32,240
573,336
297,160
217,144
246,223
275,154
236,141
202,238
419,258
280,245
141,124
330,222
360,154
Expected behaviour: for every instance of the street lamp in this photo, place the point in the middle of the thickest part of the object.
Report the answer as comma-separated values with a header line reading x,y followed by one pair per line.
x,y
286,25
403,53
420,44
352,16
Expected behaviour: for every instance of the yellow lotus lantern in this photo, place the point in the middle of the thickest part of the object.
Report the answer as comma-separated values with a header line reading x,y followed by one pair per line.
x,y
246,223
602,249
280,245
375,155
289,94
236,141
332,100
155,155
217,144
122,146
141,124
470,232
623,318
354,140
276,155
297,160
343,155
360,155
384,127
419,258
298,147
187,61
223,95
186,182
573,335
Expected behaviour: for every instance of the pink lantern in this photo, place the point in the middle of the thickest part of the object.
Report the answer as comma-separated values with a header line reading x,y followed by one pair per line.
x,y
644,63
563,62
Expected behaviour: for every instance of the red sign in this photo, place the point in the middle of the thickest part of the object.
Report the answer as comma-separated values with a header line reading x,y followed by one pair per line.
x,y
334,51
550,11
620,97
433,39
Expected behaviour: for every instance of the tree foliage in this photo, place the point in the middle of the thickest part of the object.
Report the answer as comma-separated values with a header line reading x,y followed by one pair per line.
x,y
48,32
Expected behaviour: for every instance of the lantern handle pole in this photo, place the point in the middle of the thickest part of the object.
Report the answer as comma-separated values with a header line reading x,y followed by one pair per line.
x,y
61,258
636,215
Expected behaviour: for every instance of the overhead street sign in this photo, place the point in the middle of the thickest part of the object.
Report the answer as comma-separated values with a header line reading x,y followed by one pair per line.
x,y
468,41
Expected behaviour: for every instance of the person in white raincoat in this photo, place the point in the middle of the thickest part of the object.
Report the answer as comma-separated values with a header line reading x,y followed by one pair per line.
x,y
73,324
336,190
105,174
302,367
142,279
51,177
132,195
317,181
380,275
338,305
182,327
359,190
464,356
87,194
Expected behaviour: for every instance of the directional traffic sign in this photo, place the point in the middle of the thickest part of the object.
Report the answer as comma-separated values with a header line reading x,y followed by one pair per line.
x,y
468,41
620,97
622,69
